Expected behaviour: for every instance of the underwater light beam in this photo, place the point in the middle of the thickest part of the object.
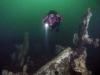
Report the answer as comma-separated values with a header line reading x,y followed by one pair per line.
x,y
46,27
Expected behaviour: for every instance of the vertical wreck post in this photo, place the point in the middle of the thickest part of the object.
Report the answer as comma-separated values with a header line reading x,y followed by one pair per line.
x,y
82,38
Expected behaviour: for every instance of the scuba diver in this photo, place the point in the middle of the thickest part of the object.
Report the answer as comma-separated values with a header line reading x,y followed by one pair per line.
x,y
52,20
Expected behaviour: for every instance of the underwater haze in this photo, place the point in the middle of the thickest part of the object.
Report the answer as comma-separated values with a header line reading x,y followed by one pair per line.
x,y
20,16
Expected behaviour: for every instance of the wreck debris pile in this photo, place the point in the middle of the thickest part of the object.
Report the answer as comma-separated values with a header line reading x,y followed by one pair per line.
x,y
7,72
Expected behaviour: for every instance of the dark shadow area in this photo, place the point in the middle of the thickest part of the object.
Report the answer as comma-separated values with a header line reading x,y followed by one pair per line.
x,y
93,60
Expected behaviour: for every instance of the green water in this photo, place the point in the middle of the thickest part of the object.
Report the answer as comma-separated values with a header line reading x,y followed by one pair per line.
x,y
20,16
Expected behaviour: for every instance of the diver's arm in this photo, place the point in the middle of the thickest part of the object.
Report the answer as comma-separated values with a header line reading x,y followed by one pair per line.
x,y
61,18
